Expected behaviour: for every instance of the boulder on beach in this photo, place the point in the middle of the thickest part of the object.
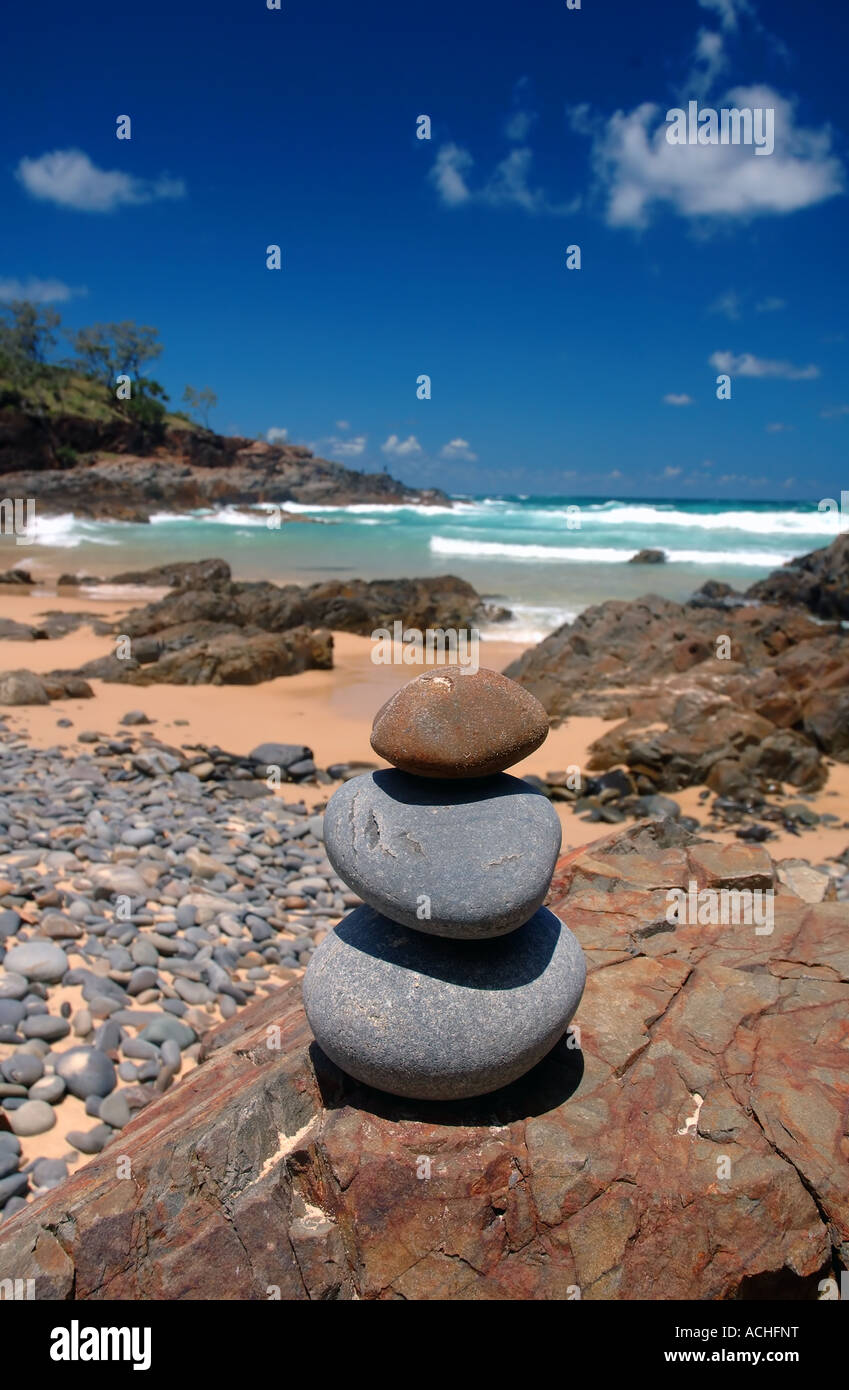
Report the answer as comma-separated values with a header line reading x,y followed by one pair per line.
x,y
230,657
22,688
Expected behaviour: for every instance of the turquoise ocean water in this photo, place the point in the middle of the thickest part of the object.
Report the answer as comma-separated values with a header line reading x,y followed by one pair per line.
x,y
545,557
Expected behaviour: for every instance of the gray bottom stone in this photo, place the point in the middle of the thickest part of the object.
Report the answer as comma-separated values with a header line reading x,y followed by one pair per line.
x,y
437,1019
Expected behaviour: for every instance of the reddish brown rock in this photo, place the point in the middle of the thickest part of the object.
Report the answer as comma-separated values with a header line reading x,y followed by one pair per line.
x,y
687,1141
715,691
450,722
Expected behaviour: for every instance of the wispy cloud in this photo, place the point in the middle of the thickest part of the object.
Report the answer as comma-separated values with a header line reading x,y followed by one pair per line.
x,y
448,174
834,412
38,291
518,126
345,448
709,60
458,449
276,435
730,304
777,427
637,170
507,186
401,448
70,179
728,12
672,398
746,364
727,304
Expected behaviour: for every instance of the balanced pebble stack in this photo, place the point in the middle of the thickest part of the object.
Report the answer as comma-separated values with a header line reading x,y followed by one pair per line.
x,y
452,979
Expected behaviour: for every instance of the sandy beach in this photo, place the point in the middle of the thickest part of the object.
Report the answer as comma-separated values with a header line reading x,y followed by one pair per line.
x,y
329,711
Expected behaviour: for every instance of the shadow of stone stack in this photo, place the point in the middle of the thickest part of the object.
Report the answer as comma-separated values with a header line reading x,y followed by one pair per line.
x,y
452,979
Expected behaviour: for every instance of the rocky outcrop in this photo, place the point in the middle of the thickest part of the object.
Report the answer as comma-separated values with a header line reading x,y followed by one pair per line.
x,y
699,686
228,657
353,605
210,630
124,474
686,1141
818,581
179,574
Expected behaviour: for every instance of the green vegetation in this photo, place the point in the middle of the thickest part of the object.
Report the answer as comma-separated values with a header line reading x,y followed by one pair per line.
x,y
201,402
85,385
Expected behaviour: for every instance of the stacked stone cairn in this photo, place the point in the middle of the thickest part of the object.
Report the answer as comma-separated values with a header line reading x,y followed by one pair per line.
x,y
451,980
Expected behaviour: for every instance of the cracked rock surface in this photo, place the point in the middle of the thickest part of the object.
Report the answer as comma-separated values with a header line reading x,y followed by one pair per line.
x,y
687,1139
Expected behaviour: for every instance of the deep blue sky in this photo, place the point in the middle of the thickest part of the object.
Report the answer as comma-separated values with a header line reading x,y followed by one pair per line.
x,y
298,127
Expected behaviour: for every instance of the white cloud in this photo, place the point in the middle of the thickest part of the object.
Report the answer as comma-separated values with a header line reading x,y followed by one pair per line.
x,y
746,364
68,178
776,427
448,174
458,449
401,448
342,425
37,291
770,305
507,186
834,412
674,399
276,435
346,448
671,472
637,169
509,183
728,11
727,304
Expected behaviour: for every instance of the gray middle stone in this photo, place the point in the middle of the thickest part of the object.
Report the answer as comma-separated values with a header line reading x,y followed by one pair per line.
x,y
466,859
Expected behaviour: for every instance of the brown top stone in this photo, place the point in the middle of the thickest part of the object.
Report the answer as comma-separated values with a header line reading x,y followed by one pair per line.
x,y
450,722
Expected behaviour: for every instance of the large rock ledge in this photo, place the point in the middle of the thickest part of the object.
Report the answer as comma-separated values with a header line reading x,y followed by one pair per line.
x,y
266,1169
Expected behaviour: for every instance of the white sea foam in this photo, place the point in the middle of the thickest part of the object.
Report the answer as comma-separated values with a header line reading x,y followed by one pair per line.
x,y
602,555
529,624
383,508
66,532
653,515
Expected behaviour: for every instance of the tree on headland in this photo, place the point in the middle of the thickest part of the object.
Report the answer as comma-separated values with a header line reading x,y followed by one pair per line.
x,y
27,334
201,401
109,350
102,354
